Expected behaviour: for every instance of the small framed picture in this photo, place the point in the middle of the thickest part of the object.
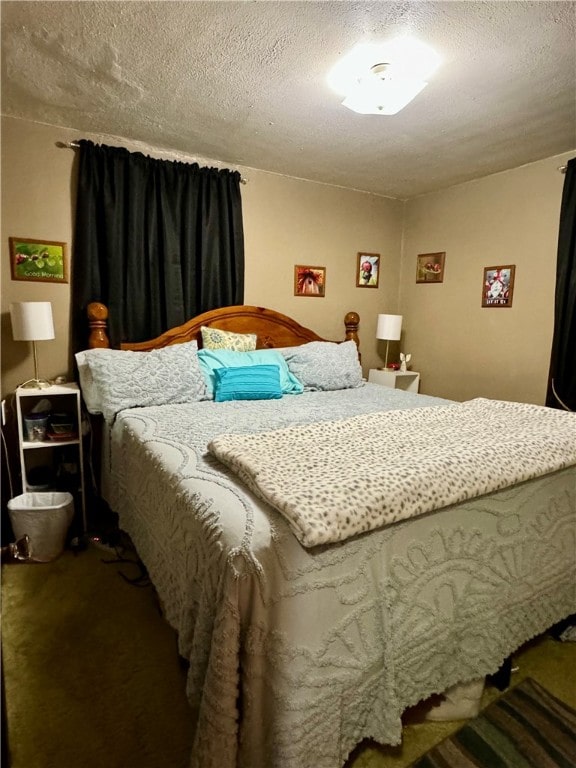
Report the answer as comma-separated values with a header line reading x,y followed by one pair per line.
x,y
309,281
368,270
498,286
41,260
430,267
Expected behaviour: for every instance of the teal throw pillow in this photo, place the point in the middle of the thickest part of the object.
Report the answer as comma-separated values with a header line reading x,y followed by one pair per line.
x,y
212,359
250,382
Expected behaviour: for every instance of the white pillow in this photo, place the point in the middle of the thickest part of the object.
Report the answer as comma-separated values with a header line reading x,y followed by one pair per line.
x,y
118,379
90,393
325,365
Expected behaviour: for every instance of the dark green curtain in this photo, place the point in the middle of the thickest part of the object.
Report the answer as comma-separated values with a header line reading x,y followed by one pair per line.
x,y
562,378
157,241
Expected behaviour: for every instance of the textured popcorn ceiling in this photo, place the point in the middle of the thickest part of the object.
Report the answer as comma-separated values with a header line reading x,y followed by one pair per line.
x,y
245,83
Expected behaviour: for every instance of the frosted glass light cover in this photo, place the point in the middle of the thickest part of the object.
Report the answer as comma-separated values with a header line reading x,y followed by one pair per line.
x,y
389,327
407,62
372,96
32,321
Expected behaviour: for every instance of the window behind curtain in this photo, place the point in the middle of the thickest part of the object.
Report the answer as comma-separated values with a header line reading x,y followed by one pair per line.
x,y
157,241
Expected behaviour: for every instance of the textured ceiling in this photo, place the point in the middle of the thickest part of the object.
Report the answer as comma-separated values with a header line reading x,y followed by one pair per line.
x,y
245,83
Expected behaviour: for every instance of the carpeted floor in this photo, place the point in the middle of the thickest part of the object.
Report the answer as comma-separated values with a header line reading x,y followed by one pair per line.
x,y
92,675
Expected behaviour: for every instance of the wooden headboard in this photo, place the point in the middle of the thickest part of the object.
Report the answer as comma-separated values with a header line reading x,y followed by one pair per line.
x,y
272,328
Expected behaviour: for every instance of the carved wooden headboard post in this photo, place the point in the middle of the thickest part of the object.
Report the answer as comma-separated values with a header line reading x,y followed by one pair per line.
x,y
351,322
97,317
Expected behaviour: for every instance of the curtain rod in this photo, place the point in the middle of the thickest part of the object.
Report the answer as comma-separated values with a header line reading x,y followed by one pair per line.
x,y
75,145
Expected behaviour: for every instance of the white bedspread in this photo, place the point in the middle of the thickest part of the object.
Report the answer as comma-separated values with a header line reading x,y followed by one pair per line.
x,y
412,461
298,654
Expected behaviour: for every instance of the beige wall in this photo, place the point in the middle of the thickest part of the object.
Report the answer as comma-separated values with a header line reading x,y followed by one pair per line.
x,y
461,349
287,221
36,203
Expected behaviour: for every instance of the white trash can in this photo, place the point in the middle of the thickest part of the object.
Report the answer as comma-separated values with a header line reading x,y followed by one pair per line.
x,y
45,517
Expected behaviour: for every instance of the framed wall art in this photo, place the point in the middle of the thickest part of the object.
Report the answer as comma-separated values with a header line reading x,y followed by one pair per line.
x,y
498,286
41,260
309,281
430,267
368,270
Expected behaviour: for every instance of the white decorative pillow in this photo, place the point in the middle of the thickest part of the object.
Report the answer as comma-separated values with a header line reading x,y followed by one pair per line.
x,y
130,379
325,365
214,338
90,393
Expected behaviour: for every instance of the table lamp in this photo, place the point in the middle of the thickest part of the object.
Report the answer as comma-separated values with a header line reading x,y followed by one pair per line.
x,y
32,321
389,329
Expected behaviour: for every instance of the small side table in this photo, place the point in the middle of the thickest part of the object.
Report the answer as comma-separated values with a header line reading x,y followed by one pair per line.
x,y
63,397
409,381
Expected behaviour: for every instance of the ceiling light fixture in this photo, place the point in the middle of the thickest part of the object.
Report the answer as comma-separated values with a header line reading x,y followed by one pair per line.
x,y
383,79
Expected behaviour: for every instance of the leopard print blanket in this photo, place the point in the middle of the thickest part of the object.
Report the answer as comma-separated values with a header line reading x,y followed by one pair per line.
x,y
335,479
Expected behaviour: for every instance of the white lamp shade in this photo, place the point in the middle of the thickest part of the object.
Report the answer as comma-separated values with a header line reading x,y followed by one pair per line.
x,y
32,321
389,327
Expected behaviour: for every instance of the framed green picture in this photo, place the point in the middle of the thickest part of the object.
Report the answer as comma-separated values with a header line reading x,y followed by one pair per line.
x,y
41,260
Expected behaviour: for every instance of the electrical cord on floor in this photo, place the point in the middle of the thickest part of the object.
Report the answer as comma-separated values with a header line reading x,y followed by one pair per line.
x,y
125,554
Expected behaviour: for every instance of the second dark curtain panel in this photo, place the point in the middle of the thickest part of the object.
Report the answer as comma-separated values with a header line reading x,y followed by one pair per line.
x,y
562,378
157,241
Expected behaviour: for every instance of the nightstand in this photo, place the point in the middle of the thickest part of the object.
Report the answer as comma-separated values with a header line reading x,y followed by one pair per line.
x,y
409,381
41,445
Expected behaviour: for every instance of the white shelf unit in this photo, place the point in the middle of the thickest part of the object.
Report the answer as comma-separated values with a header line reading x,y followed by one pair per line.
x,y
409,381
64,398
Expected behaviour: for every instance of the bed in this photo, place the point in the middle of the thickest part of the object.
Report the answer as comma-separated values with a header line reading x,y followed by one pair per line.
x,y
298,647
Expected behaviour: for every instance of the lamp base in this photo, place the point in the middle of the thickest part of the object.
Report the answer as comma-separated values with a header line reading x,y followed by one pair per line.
x,y
36,384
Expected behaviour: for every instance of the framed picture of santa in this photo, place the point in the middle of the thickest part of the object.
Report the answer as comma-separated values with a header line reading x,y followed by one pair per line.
x,y
498,286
